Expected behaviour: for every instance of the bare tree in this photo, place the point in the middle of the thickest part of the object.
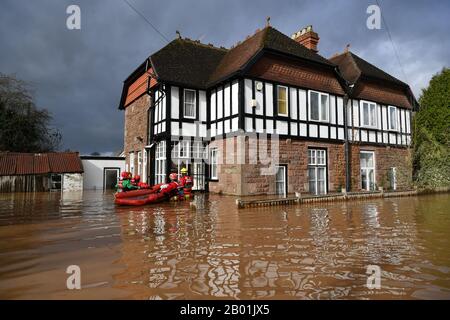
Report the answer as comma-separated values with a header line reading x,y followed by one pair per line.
x,y
23,126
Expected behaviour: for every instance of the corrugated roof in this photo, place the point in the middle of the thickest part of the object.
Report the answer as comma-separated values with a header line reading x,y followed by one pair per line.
x,y
39,163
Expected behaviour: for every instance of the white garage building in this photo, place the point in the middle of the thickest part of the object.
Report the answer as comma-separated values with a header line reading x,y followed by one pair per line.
x,y
101,172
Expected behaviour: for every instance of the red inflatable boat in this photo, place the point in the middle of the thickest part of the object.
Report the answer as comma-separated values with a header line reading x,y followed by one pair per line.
x,y
137,193
164,192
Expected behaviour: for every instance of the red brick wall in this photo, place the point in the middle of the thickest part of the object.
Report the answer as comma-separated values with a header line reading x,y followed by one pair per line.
x,y
136,126
296,73
385,158
229,170
247,178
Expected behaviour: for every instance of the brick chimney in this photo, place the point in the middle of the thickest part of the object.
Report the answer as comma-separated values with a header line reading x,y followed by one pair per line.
x,y
307,37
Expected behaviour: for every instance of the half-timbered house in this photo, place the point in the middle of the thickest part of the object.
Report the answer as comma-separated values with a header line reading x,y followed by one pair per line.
x,y
338,123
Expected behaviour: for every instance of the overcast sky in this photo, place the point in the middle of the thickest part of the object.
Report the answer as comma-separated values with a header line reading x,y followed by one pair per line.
x,y
78,74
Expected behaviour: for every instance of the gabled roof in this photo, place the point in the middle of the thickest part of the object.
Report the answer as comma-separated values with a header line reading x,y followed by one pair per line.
x,y
12,163
268,38
193,64
353,67
186,62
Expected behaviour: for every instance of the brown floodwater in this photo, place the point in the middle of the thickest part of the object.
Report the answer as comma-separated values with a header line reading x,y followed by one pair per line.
x,y
171,251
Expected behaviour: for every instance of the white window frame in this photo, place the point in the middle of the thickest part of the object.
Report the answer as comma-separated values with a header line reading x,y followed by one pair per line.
x,y
319,106
284,181
214,156
369,116
393,172
278,101
160,162
374,168
132,162
144,165
396,118
139,164
194,104
313,163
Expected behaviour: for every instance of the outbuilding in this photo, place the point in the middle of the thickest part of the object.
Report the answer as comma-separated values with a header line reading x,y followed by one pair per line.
x,y
34,172
102,172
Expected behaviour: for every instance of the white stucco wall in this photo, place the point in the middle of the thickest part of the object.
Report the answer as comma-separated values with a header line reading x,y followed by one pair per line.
x,y
72,182
93,171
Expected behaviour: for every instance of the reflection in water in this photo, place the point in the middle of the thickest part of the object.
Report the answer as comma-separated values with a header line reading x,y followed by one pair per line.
x,y
212,250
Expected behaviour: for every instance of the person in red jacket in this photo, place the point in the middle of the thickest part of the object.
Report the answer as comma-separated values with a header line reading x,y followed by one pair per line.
x,y
173,194
186,183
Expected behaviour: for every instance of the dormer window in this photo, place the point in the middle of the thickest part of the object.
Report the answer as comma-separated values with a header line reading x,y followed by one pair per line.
x,y
392,118
369,114
189,104
319,106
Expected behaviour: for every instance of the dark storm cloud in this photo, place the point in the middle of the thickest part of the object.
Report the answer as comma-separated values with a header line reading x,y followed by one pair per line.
x,y
78,74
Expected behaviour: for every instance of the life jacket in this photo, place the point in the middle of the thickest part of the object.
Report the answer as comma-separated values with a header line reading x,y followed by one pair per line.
x,y
186,182
170,189
143,185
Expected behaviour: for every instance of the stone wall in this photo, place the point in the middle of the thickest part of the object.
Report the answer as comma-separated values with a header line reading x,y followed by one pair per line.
x,y
385,158
229,169
136,122
249,178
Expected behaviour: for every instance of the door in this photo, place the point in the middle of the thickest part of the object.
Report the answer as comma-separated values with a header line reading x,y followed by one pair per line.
x,y
367,164
281,180
110,178
317,171
199,176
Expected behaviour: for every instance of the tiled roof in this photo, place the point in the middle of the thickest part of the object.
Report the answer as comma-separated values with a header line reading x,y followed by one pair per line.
x,y
194,64
186,62
352,67
389,89
12,163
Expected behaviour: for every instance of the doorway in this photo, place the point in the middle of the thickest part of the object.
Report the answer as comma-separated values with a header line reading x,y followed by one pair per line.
x,y
110,178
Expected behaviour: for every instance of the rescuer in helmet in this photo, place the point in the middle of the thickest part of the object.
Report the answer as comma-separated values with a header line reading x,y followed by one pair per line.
x,y
124,183
186,183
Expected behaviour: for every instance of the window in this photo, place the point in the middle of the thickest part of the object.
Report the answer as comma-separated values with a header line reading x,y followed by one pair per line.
x,y
160,163
189,103
392,118
369,114
367,164
198,151
319,106
393,178
144,166
282,101
55,182
132,163
214,161
280,181
317,175
139,159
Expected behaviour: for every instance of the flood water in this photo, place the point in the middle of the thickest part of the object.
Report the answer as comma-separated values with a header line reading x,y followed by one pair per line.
x,y
172,251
